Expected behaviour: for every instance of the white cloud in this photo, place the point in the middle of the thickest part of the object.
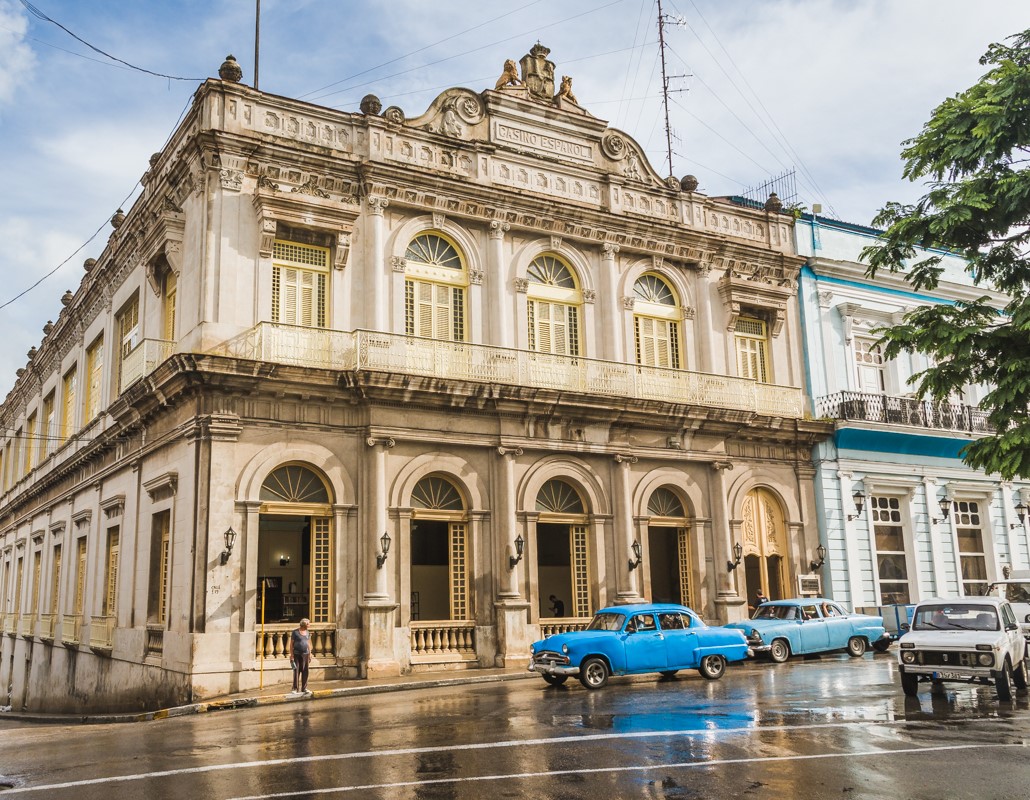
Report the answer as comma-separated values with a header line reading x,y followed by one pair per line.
x,y
16,56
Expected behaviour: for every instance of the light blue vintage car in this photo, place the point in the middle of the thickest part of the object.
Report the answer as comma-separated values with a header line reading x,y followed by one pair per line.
x,y
782,628
634,639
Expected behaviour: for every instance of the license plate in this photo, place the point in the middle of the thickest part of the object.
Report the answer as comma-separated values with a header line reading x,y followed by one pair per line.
x,y
944,676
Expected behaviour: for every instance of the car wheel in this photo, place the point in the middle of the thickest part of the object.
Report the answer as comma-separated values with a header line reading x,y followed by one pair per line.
x,y
909,684
669,673
593,673
556,680
779,651
1020,678
856,646
882,646
712,667
1003,681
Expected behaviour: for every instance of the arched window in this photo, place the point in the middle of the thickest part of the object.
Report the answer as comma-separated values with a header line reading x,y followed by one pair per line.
x,y
663,503
563,549
669,548
554,302
656,323
439,555
435,281
294,484
557,497
437,494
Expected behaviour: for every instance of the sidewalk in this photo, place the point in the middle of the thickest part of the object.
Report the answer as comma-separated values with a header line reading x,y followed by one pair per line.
x,y
278,694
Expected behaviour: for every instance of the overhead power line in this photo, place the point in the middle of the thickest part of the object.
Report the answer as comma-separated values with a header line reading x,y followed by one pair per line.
x,y
41,16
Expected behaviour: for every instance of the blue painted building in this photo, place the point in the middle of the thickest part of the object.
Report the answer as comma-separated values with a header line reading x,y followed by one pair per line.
x,y
900,516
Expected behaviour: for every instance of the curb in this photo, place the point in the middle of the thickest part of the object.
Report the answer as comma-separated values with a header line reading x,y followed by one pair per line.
x,y
211,706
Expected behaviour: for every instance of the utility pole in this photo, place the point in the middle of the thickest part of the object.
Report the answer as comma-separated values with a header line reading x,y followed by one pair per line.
x,y
257,40
665,83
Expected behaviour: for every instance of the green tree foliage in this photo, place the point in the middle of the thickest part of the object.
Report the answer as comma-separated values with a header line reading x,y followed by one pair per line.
x,y
973,155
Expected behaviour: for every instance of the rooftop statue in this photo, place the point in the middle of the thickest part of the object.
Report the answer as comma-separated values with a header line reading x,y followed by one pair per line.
x,y
538,73
510,76
565,92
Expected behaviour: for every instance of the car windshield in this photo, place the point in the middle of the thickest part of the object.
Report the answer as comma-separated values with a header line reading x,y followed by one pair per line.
x,y
955,617
606,622
1017,592
776,612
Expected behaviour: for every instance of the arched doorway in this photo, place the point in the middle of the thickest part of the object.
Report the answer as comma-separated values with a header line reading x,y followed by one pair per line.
x,y
668,549
295,553
562,553
442,620
764,534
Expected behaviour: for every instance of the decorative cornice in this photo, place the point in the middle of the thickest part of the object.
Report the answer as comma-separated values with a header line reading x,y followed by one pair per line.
x,y
166,483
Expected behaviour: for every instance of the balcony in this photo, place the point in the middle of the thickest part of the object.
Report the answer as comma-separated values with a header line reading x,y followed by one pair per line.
x,y
101,633
144,359
71,624
27,626
47,627
8,623
410,355
866,407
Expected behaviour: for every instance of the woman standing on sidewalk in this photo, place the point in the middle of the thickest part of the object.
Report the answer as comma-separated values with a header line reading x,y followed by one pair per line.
x,y
299,651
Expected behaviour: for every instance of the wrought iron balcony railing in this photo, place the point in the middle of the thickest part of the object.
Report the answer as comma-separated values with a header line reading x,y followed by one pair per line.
x,y
144,359
411,355
868,407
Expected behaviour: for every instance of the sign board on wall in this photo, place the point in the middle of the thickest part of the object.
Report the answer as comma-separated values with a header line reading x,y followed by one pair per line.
x,y
810,585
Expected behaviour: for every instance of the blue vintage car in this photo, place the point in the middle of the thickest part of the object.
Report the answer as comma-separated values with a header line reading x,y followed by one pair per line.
x,y
782,628
634,639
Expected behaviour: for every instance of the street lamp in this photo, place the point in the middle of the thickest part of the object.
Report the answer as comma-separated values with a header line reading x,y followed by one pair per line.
x,y
637,554
859,499
820,553
384,543
945,505
520,546
738,553
230,540
1021,509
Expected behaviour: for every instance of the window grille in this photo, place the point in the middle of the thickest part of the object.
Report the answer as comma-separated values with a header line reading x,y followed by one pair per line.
x,y
321,569
580,571
459,571
889,533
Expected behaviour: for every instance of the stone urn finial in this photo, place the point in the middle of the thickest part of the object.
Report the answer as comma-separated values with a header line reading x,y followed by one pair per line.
x,y
117,219
20,371
230,71
774,203
32,353
688,183
48,327
89,263
66,298
370,105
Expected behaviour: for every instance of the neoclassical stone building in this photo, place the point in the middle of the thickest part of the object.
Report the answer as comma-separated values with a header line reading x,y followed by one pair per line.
x,y
407,377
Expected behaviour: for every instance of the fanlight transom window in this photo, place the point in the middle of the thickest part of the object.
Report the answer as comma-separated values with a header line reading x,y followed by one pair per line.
x,y
652,289
434,250
550,271
294,484
664,503
436,494
557,497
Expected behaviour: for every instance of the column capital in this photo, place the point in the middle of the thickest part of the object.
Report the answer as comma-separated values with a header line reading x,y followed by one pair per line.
x,y
498,229
386,442
509,451
376,204
624,459
719,466
608,250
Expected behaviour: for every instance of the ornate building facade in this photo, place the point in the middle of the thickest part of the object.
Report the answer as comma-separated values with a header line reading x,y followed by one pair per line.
x,y
415,379
901,516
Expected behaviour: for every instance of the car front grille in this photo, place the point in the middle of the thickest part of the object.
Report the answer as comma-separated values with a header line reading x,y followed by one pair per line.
x,y
548,656
946,658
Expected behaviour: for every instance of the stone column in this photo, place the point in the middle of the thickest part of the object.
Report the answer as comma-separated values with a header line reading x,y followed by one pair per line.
x,y
375,207
512,632
630,592
378,610
704,329
612,339
502,332
730,606
851,554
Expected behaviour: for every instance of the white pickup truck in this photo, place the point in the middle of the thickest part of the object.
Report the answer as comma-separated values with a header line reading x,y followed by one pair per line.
x,y
970,639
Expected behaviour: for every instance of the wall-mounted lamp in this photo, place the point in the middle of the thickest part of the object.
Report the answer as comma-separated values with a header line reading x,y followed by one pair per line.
x,y
1021,509
384,544
284,561
230,540
738,553
820,553
945,505
859,499
520,547
637,554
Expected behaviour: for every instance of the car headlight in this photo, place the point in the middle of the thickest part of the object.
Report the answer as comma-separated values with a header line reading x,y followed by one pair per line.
x,y
908,657
755,634
565,649
985,659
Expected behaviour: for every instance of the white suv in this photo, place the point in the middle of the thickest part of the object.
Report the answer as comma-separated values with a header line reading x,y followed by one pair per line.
x,y
964,639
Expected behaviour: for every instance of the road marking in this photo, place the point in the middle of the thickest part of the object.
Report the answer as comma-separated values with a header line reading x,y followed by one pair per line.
x,y
609,770
510,743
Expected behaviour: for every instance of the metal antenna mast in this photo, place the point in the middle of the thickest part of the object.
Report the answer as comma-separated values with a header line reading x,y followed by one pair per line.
x,y
664,84
257,39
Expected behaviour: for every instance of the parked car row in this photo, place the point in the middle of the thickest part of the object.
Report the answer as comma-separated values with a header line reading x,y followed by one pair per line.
x,y
966,639
666,638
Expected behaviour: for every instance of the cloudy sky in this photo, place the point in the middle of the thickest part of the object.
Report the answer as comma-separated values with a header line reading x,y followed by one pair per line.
x,y
761,87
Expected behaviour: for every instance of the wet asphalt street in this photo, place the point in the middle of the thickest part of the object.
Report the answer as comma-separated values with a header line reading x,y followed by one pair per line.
x,y
832,727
